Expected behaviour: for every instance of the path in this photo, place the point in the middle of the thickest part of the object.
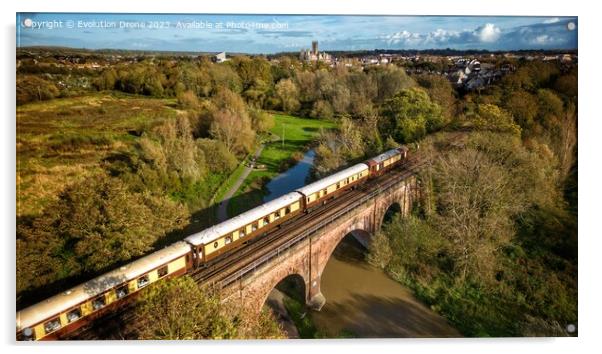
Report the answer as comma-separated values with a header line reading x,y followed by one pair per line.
x,y
222,210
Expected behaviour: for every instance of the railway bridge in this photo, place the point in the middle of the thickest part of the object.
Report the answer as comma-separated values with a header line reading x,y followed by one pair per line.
x,y
307,253
300,247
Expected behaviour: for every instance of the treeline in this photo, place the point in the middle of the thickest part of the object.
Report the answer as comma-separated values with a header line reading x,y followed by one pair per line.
x,y
492,245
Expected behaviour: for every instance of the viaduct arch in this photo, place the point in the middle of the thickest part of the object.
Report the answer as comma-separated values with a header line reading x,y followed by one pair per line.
x,y
308,257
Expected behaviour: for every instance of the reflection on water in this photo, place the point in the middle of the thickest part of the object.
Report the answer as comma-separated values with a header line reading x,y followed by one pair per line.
x,y
364,301
292,179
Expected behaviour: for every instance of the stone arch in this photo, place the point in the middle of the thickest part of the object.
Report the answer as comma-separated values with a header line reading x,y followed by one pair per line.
x,y
395,208
360,225
277,280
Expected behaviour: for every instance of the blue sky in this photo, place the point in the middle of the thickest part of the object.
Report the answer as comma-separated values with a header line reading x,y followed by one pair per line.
x,y
278,33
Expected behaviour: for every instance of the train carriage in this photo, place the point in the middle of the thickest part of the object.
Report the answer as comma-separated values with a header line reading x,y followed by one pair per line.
x,y
329,187
77,306
385,161
232,233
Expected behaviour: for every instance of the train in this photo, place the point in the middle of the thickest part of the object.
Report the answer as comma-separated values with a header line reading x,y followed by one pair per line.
x,y
83,303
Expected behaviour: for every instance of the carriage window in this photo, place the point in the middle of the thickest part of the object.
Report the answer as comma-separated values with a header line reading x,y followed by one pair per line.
x,y
347,180
287,210
266,221
74,314
52,325
122,291
277,215
255,226
242,233
338,185
98,303
215,244
143,281
228,239
308,199
325,192
162,271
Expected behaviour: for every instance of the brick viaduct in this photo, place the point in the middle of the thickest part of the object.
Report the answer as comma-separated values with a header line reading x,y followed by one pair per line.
x,y
308,257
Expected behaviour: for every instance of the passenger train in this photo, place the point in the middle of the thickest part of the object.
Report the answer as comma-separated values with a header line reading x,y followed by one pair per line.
x,y
77,306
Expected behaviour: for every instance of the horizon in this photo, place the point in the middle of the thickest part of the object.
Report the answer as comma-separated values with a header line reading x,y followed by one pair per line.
x,y
274,34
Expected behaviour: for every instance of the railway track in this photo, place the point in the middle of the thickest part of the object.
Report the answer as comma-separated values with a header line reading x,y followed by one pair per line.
x,y
233,266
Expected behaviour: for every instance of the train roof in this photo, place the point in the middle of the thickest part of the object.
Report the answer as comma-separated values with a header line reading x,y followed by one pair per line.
x,y
41,311
384,156
246,218
332,179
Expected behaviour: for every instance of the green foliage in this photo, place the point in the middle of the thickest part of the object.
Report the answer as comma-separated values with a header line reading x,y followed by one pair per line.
x,y
93,224
217,156
496,258
441,92
178,309
262,121
523,106
410,115
493,118
33,88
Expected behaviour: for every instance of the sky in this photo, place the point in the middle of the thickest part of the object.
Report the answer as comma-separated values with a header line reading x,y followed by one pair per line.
x,y
268,34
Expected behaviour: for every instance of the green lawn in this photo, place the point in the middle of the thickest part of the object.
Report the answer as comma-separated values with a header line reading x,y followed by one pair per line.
x,y
298,134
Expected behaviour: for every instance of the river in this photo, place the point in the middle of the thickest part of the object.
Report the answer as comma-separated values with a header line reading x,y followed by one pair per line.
x,y
361,301
292,178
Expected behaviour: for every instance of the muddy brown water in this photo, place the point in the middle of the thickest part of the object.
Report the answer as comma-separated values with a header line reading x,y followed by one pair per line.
x,y
363,301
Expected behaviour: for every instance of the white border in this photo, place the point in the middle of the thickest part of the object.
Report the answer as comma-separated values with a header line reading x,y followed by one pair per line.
x,y
589,131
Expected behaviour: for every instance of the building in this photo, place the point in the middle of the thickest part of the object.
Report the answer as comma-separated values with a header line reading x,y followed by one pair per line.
x,y
220,57
314,55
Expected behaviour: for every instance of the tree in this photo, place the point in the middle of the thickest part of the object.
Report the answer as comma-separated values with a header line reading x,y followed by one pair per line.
x,y
389,81
188,100
92,225
262,120
287,92
179,309
106,80
219,159
441,92
410,114
32,88
492,117
230,122
523,106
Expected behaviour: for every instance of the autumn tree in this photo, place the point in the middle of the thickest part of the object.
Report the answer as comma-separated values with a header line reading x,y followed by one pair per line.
x,y
230,122
287,92
178,308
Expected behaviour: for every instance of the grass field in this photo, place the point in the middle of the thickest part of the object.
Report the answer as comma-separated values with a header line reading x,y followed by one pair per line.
x,y
65,140
277,156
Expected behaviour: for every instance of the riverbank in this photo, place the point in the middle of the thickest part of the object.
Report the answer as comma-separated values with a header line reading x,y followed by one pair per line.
x,y
294,134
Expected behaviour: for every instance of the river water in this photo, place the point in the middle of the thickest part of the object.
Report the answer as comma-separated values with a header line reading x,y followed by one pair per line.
x,y
292,179
361,301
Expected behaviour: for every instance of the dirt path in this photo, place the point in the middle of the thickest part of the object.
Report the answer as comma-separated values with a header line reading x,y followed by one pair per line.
x,y
222,210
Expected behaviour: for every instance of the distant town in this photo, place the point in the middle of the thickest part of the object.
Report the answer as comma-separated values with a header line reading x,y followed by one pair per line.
x,y
467,70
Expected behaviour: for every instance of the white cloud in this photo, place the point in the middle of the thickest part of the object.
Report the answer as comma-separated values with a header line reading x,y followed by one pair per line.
x,y
488,33
552,20
542,39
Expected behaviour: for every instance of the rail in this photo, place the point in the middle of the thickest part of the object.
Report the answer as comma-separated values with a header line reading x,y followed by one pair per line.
x,y
311,231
